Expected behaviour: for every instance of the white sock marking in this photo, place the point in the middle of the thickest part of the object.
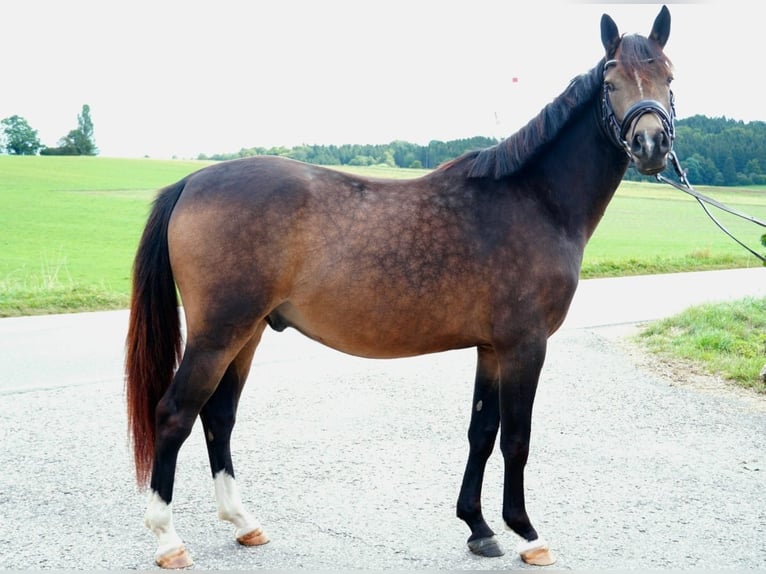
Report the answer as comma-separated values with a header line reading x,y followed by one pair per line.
x,y
230,507
159,519
527,545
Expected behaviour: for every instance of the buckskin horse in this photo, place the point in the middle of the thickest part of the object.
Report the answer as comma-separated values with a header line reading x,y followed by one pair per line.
x,y
485,252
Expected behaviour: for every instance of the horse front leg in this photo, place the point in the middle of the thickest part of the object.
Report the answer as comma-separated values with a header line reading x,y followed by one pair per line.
x,y
482,431
520,368
218,418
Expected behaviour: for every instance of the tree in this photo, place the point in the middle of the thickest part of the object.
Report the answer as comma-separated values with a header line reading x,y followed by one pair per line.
x,y
79,141
729,171
85,142
20,138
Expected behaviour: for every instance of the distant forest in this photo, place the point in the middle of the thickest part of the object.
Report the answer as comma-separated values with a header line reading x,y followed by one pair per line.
x,y
714,151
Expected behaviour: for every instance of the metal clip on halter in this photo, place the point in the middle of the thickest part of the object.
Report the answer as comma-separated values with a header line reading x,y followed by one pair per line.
x,y
686,187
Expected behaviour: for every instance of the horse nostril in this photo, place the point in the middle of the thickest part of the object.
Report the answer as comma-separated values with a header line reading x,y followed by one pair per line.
x,y
664,143
637,146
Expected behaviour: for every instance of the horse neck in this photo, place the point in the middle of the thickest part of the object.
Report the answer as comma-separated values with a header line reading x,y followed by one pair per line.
x,y
580,173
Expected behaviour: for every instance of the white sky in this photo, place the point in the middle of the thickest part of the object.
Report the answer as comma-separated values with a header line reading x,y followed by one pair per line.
x,y
178,78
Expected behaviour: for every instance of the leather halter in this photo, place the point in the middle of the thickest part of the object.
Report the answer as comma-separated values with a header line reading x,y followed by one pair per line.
x,y
617,131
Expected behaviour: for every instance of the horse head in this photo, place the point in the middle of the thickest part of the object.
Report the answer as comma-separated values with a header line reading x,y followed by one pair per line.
x,y
637,102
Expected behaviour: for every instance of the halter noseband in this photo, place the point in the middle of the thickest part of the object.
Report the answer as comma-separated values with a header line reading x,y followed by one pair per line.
x,y
618,132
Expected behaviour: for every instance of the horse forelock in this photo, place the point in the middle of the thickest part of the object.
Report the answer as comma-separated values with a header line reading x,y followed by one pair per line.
x,y
639,56
513,153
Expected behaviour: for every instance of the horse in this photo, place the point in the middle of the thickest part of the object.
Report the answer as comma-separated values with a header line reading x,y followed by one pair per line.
x,y
483,252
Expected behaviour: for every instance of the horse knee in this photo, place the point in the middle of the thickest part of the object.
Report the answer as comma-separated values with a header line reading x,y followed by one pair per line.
x,y
482,441
515,449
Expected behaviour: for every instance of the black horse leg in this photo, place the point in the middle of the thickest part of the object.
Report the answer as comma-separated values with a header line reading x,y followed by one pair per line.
x,y
218,417
519,373
482,431
195,381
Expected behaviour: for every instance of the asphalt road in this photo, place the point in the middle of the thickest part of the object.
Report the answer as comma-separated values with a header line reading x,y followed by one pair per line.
x,y
352,463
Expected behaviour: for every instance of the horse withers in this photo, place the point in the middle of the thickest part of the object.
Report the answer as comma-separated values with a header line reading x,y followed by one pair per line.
x,y
483,252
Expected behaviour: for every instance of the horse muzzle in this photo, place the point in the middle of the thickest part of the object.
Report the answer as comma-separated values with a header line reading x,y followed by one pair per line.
x,y
647,136
649,151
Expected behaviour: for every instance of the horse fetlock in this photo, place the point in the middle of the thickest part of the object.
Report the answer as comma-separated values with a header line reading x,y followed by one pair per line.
x,y
468,510
519,523
247,529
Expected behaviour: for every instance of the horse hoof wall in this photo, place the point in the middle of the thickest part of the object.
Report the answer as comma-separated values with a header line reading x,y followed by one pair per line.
x,y
255,538
538,555
487,547
175,559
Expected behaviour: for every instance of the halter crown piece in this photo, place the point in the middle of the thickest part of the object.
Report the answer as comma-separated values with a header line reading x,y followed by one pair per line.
x,y
618,131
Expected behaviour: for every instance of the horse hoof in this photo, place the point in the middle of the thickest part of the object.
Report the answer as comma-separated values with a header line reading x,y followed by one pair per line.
x,y
178,558
253,538
536,553
487,547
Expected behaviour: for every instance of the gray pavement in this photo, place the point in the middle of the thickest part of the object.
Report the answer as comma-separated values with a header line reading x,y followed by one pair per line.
x,y
353,463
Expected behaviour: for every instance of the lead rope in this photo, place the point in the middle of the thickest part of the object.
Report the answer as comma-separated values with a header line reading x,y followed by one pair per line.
x,y
684,185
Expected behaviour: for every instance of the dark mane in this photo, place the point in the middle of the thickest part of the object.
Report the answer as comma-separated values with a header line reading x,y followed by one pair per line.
x,y
511,154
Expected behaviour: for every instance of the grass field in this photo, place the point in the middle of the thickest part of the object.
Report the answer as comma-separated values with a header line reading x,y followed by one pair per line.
x,y
70,227
650,228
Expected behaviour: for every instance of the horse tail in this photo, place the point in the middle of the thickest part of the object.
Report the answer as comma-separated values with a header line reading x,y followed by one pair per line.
x,y
153,344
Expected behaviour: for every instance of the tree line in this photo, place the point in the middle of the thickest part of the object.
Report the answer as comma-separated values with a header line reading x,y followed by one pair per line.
x,y
17,137
395,154
719,151
714,151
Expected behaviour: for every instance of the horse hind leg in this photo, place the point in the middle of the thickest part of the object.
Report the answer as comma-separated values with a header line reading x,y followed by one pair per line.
x,y
218,417
198,376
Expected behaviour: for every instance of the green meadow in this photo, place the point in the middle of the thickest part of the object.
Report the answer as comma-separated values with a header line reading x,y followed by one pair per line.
x,y
69,227
653,228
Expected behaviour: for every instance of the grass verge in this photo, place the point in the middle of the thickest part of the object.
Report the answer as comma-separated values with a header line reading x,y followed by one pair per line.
x,y
51,290
22,301
727,339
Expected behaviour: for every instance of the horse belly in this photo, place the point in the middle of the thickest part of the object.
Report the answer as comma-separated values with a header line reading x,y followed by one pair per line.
x,y
367,331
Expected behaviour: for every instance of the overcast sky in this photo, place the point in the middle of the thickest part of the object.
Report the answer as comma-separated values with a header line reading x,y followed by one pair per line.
x,y
178,78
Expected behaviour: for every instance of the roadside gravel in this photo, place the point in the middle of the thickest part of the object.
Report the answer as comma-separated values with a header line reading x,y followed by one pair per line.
x,y
353,463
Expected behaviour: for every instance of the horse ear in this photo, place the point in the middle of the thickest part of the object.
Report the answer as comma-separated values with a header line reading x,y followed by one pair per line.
x,y
610,35
661,29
